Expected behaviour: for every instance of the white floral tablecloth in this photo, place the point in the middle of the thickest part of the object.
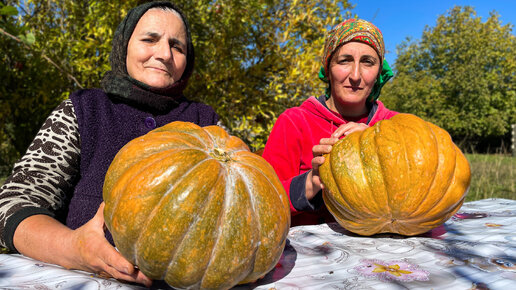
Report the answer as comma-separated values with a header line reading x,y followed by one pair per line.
x,y
475,249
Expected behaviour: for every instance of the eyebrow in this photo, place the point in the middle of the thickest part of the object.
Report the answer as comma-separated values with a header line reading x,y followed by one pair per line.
x,y
173,39
349,55
344,56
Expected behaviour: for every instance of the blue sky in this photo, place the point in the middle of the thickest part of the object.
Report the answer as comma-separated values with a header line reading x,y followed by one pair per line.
x,y
404,18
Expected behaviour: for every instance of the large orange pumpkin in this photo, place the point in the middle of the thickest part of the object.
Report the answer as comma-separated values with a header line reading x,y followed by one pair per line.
x,y
402,175
194,207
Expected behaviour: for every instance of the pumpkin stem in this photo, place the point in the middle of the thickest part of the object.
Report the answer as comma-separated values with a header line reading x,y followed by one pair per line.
x,y
220,154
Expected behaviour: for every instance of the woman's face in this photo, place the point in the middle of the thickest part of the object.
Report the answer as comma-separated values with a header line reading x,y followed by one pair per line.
x,y
156,53
352,74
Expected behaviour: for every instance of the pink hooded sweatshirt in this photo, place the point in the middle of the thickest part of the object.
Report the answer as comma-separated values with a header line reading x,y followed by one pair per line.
x,y
289,151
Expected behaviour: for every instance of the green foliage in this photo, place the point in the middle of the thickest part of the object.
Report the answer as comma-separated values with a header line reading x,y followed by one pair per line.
x,y
51,48
26,95
254,58
461,76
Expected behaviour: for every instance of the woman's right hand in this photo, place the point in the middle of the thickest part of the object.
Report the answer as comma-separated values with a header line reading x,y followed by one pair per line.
x,y
45,239
313,181
95,254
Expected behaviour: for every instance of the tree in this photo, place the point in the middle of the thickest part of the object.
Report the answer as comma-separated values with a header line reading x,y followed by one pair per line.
x,y
258,57
254,58
26,95
461,76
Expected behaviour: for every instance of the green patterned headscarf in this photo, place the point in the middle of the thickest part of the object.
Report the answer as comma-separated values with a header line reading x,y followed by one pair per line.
x,y
361,31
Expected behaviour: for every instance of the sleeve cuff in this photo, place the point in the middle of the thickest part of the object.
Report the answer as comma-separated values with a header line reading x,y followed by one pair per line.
x,y
298,195
14,220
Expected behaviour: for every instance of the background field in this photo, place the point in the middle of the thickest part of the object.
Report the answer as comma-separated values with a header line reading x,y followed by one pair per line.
x,y
492,176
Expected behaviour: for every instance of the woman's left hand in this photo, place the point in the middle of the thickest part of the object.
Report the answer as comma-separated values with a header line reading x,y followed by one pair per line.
x,y
348,128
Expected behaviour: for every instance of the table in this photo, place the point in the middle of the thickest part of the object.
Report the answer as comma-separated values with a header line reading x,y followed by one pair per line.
x,y
475,249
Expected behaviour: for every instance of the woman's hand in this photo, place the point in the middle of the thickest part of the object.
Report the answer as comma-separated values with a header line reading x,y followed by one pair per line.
x,y
95,254
313,181
348,128
43,238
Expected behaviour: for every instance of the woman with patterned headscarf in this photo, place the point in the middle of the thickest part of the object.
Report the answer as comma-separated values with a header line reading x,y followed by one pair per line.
x,y
51,205
354,68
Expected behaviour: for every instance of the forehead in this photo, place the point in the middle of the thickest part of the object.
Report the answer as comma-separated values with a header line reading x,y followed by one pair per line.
x,y
161,21
357,48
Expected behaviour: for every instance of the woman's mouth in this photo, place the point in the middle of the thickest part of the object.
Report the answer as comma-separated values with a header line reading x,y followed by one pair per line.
x,y
159,70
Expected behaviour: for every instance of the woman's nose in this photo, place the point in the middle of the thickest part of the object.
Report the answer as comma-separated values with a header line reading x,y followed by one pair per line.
x,y
163,51
355,72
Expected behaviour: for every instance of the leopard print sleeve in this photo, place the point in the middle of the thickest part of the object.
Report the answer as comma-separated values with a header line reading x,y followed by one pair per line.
x,y
43,179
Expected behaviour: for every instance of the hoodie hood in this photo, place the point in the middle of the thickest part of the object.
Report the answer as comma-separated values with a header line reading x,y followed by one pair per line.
x,y
319,111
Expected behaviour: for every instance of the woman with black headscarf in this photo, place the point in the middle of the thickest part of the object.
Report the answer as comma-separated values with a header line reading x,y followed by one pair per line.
x,y
51,206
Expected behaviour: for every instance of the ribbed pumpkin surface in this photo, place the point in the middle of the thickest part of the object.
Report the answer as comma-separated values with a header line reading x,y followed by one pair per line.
x,y
194,207
402,175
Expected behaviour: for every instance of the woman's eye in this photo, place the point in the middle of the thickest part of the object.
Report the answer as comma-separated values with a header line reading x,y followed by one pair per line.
x,y
177,47
369,61
149,40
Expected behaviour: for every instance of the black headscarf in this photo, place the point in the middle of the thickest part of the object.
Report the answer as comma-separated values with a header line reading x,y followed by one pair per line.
x,y
117,82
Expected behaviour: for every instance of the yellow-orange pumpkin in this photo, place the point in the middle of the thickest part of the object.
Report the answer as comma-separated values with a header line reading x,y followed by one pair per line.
x,y
194,207
402,175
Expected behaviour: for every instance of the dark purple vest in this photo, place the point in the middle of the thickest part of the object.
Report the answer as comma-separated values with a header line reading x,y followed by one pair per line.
x,y
105,127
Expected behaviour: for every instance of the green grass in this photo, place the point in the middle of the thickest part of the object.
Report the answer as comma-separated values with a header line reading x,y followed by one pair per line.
x,y
492,176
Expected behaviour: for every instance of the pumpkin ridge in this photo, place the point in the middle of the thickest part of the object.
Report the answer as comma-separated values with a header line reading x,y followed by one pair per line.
x,y
406,159
211,131
365,175
128,150
428,191
191,130
382,168
355,143
447,192
207,200
144,160
432,220
155,210
269,182
332,173
273,193
195,136
165,137
229,181
219,230
411,126
241,154
438,201
256,216
347,215
380,178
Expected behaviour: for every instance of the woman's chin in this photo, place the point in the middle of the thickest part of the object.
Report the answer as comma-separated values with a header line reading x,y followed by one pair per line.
x,y
159,84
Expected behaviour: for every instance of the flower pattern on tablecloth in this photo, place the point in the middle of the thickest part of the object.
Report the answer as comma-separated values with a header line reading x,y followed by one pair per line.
x,y
391,270
493,225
